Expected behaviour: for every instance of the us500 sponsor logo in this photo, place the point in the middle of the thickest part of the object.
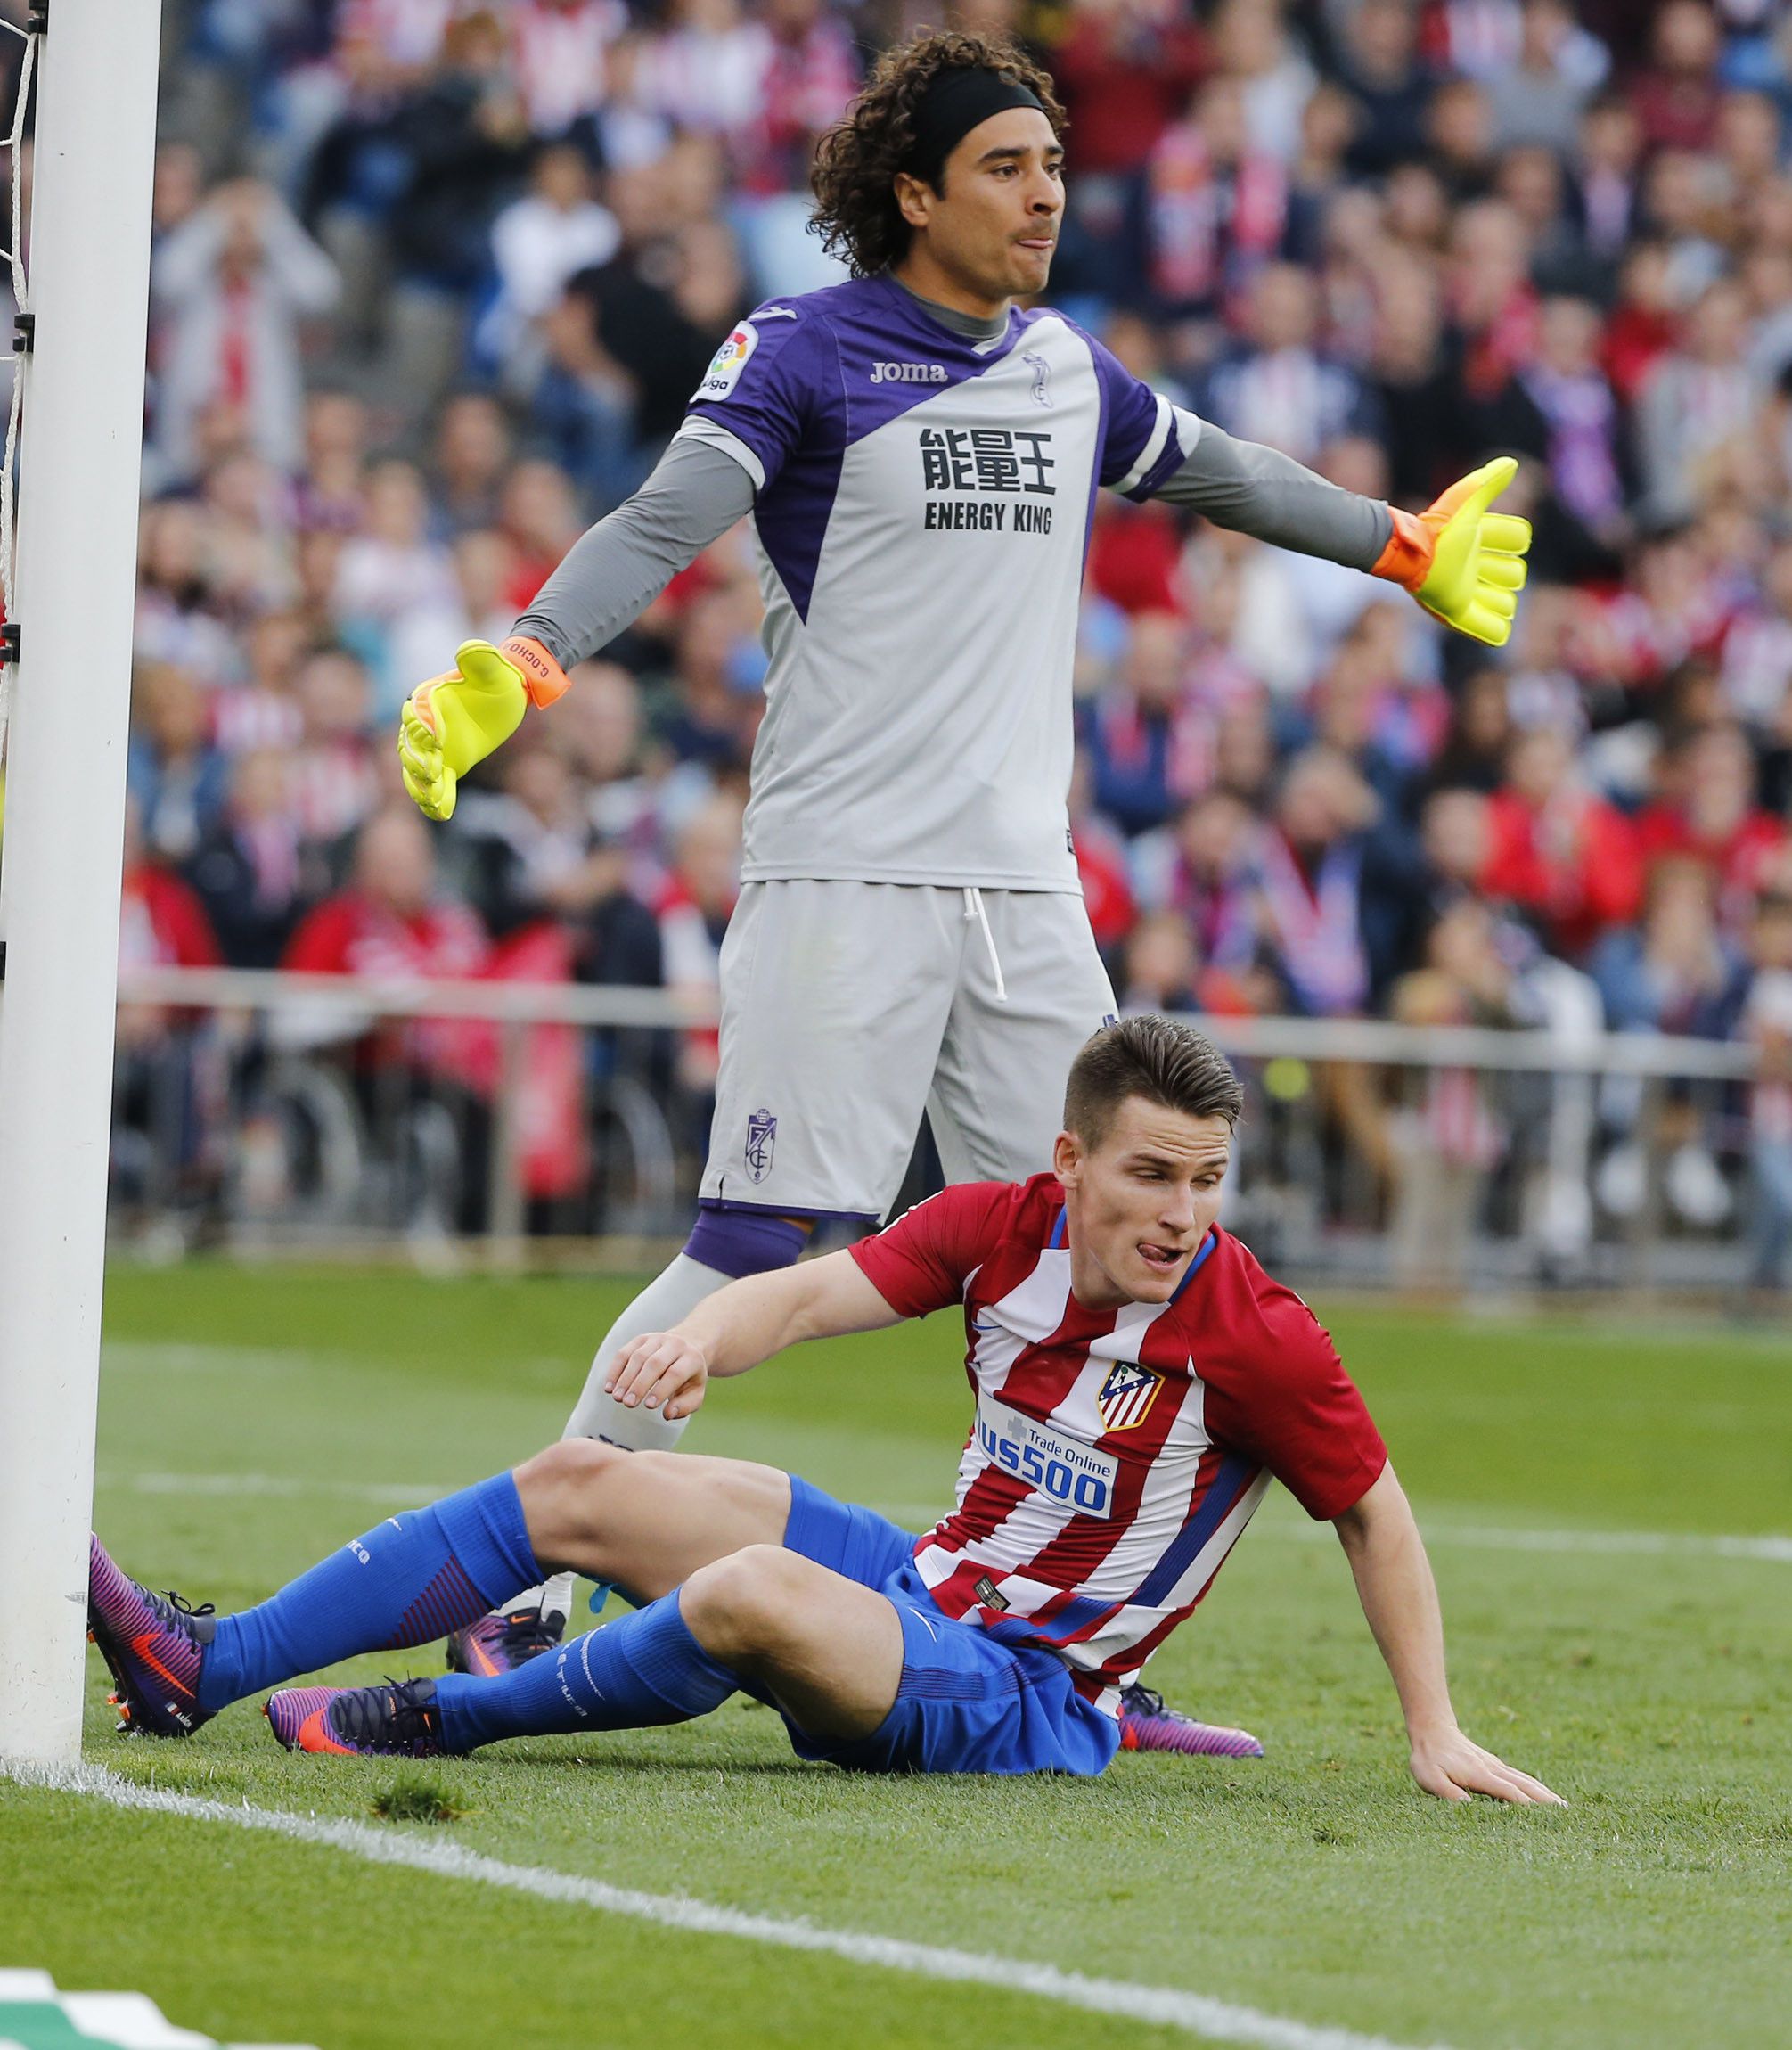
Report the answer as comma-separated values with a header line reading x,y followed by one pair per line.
x,y
1087,1492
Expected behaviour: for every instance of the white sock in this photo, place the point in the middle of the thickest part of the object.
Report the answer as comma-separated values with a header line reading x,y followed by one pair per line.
x,y
660,1305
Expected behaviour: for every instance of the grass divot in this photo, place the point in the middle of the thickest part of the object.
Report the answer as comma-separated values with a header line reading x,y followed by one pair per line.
x,y
418,1797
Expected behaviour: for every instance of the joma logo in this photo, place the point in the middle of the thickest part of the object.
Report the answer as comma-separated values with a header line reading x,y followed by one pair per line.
x,y
908,373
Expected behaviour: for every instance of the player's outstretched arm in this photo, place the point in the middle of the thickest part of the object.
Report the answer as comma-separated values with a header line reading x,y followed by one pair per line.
x,y
609,577
1399,1596
742,1325
1463,562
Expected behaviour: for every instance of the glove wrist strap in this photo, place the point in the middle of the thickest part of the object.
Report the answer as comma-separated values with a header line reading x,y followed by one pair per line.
x,y
1406,559
543,678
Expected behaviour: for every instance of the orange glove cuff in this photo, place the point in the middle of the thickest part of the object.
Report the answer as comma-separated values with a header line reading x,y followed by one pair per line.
x,y
1406,559
543,678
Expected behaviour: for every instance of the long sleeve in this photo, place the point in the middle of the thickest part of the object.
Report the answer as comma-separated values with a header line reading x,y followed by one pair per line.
x,y
305,276
615,570
1260,492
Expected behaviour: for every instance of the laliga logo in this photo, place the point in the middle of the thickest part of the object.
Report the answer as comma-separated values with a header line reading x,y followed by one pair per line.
x,y
908,373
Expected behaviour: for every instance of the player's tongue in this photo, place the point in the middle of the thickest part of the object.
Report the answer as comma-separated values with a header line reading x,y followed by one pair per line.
x,y
1158,1256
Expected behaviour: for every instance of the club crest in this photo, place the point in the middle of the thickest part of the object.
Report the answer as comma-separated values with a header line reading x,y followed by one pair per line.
x,y
762,1137
1042,373
1127,1396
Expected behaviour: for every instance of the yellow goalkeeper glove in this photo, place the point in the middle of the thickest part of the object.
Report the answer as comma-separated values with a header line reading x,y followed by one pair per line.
x,y
1463,563
455,720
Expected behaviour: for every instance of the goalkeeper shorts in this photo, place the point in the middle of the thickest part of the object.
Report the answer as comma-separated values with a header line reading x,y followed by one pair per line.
x,y
851,1009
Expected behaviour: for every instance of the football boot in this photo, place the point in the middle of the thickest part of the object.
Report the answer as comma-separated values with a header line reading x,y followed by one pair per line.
x,y
398,1719
1146,1725
501,1642
154,1646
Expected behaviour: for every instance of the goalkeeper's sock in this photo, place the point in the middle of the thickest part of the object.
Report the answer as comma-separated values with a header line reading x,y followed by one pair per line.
x,y
641,1670
662,1304
412,1579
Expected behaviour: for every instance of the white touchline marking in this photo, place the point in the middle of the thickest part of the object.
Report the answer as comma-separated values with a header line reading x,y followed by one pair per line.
x,y
1167,2007
1486,1536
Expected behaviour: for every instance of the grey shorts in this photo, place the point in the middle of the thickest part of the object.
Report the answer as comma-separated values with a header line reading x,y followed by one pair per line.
x,y
850,1008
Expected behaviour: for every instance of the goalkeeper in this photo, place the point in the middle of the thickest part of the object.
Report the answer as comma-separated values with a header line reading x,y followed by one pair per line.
x,y
919,456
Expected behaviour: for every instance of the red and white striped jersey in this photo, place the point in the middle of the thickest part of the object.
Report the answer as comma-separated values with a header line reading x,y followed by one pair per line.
x,y
1116,1456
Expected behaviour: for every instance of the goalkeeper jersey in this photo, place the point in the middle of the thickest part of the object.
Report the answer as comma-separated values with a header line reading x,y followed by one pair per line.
x,y
1116,1456
921,505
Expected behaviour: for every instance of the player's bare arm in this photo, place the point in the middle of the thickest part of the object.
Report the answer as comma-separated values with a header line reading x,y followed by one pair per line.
x,y
1399,1596
741,1325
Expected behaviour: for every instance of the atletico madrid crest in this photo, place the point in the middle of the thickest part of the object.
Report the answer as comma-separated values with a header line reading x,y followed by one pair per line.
x,y
1127,1395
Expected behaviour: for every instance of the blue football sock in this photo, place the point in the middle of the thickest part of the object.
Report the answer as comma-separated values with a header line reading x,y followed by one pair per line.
x,y
642,1669
414,1578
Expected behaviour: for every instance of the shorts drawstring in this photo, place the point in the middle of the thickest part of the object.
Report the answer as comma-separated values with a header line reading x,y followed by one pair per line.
x,y
973,908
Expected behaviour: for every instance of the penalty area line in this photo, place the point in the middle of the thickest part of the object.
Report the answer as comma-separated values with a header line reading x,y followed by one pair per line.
x,y
1165,2006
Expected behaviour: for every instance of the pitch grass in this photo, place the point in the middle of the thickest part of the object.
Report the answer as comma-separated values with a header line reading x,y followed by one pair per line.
x,y
1651,1688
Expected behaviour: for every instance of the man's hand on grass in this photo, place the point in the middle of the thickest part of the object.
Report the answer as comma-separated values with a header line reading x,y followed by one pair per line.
x,y
1447,1763
660,1370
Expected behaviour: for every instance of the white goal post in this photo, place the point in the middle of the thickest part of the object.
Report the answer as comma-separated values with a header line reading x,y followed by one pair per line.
x,y
80,457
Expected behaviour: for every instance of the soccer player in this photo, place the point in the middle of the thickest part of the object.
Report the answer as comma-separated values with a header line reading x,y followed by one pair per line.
x,y
1138,1378
920,457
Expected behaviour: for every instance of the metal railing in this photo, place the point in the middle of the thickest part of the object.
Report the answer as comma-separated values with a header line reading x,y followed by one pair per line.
x,y
1372,1040
1306,1188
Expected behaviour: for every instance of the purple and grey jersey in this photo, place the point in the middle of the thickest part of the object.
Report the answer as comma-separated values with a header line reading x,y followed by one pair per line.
x,y
921,503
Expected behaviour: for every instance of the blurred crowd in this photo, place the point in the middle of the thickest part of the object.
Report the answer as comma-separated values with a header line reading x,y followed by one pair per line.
x,y
431,285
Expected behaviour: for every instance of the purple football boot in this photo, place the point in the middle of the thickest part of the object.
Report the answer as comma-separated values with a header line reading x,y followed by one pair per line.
x,y
153,1644
501,1642
398,1719
1146,1725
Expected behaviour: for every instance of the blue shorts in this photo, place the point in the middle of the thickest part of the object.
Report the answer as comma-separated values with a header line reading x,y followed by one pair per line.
x,y
967,1702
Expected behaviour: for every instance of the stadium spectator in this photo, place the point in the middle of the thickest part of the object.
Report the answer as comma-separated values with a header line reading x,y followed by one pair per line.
x,y
332,485
1557,850
1540,96
1309,874
1276,388
693,913
390,571
532,853
253,871
1767,1025
163,924
1448,1136
394,919
471,453
1676,98
176,775
539,242
1675,971
1382,72
337,780
1216,209
1252,42
232,283
1696,403
1708,814
168,1079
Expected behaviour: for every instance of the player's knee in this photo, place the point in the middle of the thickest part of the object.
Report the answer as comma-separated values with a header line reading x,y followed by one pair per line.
x,y
557,1486
737,1606
741,1243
